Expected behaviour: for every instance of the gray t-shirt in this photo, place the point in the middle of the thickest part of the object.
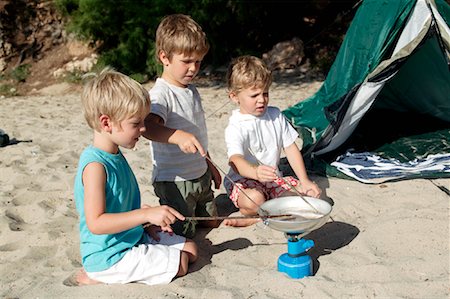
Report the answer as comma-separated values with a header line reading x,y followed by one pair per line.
x,y
180,108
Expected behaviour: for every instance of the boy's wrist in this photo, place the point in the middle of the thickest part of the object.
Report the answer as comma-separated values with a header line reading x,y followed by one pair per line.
x,y
303,180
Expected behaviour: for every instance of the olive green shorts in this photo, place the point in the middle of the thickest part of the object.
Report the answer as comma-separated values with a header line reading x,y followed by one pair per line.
x,y
190,198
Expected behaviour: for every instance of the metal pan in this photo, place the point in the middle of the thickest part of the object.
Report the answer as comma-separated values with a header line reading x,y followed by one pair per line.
x,y
306,218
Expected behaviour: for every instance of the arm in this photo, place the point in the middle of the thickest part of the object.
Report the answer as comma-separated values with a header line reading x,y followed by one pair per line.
x,y
99,222
262,173
297,163
156,131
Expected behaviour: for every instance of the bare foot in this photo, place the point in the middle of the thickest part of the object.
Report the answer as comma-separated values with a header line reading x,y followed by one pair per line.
x,y
82,279
240,222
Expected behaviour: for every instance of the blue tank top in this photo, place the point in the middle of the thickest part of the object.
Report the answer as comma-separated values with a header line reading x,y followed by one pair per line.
x,y
100,252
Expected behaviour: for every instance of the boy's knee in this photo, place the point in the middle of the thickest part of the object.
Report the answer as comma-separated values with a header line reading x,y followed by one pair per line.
x,y
191,249
184,264
249,211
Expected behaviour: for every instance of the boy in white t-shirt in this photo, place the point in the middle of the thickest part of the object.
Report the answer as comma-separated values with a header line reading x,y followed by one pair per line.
x,y
255,137
176,125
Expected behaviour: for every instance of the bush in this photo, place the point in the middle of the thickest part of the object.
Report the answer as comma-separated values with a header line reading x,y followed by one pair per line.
x,y
20,73
124,31
7,90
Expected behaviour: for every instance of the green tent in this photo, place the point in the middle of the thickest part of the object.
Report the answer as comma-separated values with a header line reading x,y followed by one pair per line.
x,y
388,89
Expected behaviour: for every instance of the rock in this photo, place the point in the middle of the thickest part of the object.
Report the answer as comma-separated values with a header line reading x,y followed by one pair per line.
x,y
285,55
55,89
3,64
77,66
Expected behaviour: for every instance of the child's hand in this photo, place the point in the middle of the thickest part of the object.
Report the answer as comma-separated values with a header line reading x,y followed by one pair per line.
x,y
163,216
188,143
266,173
153,231
309,188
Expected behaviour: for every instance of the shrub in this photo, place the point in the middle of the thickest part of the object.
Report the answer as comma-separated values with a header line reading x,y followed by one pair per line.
x,y
20,73
124,30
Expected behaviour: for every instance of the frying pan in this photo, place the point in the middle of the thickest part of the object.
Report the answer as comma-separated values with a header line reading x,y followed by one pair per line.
x,y
306,218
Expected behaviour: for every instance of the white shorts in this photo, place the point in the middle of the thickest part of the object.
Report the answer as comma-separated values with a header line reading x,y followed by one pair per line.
x,y
150,263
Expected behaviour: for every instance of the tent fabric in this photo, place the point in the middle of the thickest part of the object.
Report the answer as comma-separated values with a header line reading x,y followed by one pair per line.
x,y
395,57
366,42
373,169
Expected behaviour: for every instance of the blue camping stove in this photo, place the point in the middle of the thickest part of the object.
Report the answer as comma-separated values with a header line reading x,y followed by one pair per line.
x,y
296,263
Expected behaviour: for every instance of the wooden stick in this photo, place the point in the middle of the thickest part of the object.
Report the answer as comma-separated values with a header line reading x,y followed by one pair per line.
x,y
203,218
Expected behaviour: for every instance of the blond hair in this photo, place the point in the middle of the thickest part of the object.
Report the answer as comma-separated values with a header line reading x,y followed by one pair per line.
x,y
247,72
180,34
114,94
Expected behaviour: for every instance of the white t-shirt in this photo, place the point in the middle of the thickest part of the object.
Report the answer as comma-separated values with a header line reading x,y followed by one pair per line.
x,y
265,136
180,108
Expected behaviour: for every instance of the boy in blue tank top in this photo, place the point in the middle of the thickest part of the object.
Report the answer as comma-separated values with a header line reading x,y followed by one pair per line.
x,y
115,247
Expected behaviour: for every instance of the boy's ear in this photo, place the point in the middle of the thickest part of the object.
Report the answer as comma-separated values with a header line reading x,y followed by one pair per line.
x,y
164,58
105,123
232,95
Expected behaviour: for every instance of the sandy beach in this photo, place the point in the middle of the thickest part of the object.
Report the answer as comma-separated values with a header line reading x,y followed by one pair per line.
x,y
386,241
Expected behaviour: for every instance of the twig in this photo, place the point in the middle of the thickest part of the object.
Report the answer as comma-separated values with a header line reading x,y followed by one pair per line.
x,y
203,218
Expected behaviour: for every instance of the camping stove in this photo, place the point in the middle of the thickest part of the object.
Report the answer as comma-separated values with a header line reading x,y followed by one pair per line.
x,y
296,263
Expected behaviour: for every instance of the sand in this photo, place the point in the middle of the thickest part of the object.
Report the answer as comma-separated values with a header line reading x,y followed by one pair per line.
x,y
386,241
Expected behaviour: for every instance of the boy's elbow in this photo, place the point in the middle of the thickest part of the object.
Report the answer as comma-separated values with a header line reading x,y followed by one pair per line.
x,y
153,119
152,123
97,233
94,229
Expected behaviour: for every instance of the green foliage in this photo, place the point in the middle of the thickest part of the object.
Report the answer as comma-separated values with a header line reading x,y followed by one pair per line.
x,y
124,31
73,77
20,73
66,7
7,90
139,77
9,79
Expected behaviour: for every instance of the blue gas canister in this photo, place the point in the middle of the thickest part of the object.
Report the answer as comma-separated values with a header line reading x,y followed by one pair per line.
x,y
296,263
